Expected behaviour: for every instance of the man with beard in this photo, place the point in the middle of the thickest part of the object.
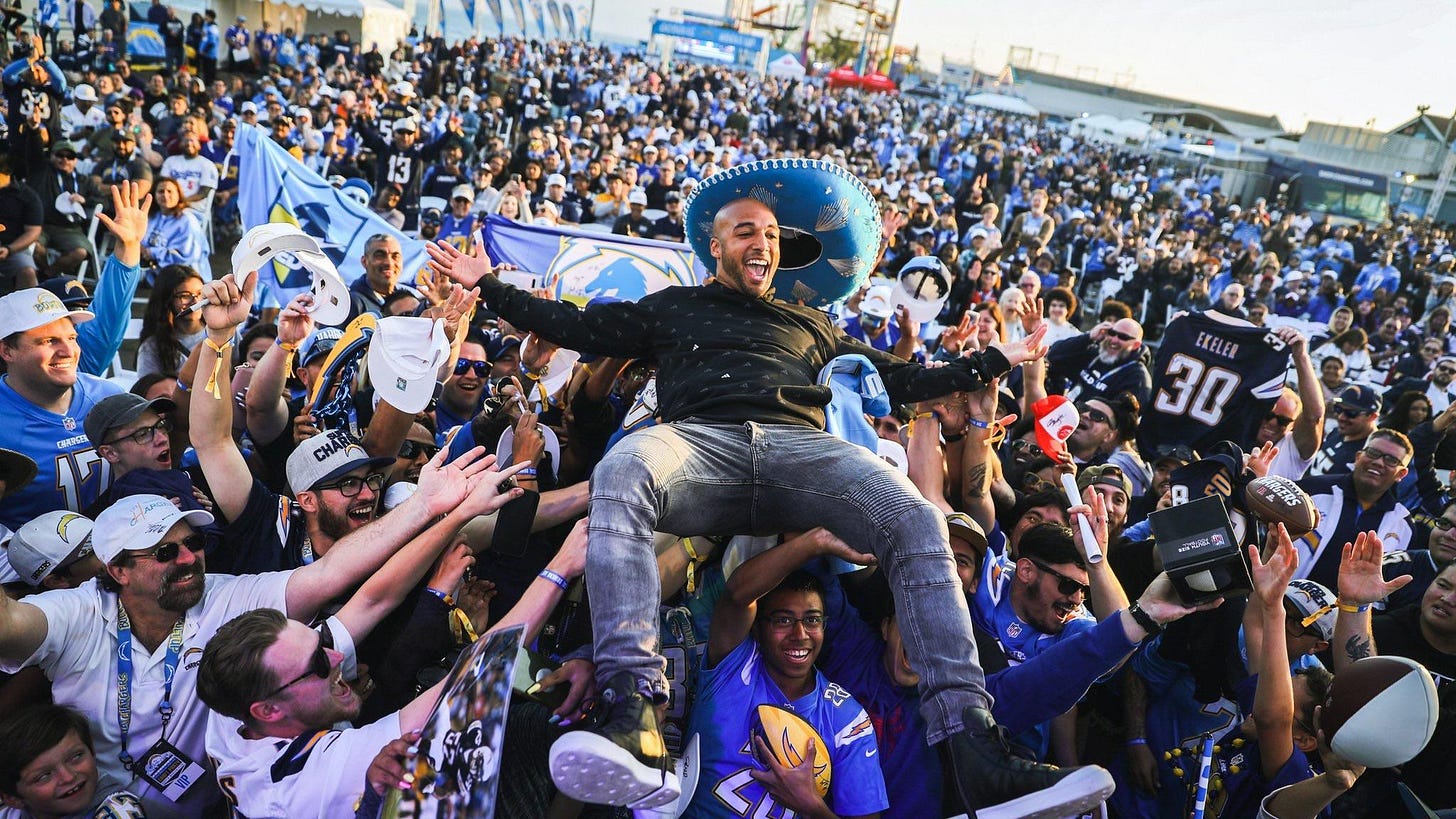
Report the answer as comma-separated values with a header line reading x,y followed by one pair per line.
x,y
1436,386
280,695
1356,409
744,428
124,649
1101,364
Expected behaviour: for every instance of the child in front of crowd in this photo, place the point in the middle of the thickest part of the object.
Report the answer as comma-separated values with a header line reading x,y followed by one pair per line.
x,y
48,769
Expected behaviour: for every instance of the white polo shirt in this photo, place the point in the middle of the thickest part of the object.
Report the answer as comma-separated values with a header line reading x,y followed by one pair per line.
x,y
79,654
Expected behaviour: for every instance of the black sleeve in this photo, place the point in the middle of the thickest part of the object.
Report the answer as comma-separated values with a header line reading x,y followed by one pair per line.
x,y
907,381
412,637
621,329
251,544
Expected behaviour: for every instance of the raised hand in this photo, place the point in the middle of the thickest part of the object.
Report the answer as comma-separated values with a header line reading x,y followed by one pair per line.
x,y
1095,509
453,308
529,442
444,487
1362,580
129,225
295,322
465,270
1272,577
1261,459
822,542
536,352
451,567
570,559
953,339
1029,348
228,305
1032,316
1160,600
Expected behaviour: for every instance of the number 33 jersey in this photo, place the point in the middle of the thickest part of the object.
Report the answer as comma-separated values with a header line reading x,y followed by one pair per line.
x,y
1214,379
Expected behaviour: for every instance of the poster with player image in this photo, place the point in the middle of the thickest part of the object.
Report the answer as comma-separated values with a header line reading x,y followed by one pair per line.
x,y
456,764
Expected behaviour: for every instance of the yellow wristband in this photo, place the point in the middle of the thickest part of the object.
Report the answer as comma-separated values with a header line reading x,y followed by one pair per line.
x,y
213,388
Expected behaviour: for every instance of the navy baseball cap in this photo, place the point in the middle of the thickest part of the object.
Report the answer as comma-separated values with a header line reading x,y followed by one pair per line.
x,y
1358,397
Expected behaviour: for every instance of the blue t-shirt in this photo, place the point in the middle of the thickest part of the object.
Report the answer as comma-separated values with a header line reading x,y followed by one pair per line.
x,y
992,611
1242,773
723,718
853,657
72,475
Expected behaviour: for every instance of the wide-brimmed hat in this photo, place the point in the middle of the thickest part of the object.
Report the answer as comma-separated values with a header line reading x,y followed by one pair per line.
x,y
828,220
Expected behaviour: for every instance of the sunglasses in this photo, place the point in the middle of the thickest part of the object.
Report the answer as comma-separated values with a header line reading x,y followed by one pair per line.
x,y
171,550
1349,412
318,666
1066,585
352,485
1446,370
481,367
1120,335
1393,461
1096,416
409,450
1282,421
144,435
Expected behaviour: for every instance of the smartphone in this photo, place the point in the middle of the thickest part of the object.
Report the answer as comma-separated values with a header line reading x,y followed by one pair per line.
x,y
532,666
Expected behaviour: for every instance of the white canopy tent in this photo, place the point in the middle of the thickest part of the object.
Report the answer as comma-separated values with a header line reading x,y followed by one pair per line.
x,y
786,65
1002,102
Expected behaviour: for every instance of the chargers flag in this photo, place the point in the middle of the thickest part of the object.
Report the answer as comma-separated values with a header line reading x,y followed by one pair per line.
x,y
281,189
570,16
144,41
586,265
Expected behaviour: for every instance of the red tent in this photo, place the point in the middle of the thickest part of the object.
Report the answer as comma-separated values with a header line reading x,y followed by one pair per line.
x,y
875,81
842,77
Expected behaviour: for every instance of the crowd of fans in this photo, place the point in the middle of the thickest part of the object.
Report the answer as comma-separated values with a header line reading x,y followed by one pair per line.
x,y
277,574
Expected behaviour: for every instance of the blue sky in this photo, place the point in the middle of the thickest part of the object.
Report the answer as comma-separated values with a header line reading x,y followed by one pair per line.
x,y
1342,61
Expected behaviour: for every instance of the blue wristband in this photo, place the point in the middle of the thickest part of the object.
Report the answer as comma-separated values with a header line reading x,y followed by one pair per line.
x,y
528,472
978,423
561,582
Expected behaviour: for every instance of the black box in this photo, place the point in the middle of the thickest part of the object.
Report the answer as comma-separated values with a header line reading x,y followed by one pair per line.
x,y
1199,551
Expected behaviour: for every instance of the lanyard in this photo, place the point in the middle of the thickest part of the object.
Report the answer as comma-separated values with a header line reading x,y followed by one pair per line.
x,y
124,675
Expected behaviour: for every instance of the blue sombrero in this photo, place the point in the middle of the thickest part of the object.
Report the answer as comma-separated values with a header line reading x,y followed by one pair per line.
x,y
829,221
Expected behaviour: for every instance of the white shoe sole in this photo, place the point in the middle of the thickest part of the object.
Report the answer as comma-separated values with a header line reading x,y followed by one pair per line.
x,y
591,768
1083,790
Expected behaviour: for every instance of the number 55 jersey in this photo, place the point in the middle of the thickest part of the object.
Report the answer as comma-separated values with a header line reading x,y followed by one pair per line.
x,y
1214,379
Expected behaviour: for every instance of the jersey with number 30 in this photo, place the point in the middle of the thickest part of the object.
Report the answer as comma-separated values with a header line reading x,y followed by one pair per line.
x,y
723,717
1214,380
71,474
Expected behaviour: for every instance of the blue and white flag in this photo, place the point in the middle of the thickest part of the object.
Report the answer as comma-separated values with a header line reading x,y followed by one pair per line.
x,y
278,188
469,12
144,42
586,265
570,15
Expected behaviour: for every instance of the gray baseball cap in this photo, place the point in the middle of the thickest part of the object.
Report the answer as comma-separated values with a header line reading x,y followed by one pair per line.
x,y
119,410
326,456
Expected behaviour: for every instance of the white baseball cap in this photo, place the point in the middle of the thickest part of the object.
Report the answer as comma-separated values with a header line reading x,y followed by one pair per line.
x,y
403,88
637,197
878,302
406,124
555,179
326,456
35,307
508,439
405,356
266,242
139,522
923,287
44,543
462,192
84,93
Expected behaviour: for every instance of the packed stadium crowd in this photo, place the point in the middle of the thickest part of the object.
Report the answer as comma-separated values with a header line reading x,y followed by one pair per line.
x,y
237,574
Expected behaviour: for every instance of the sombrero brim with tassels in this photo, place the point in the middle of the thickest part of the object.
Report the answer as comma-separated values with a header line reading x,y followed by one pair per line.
x,y
829,224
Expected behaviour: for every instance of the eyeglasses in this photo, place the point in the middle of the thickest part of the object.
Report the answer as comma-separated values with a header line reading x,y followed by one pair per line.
x,y
1442,524
319,666
1097,416
481,367
145,435
1280,419
1349,412
409,450
1390,460
1446,370
185,297
1066,585
813,623
352,485
1120,335
1023,445
171,550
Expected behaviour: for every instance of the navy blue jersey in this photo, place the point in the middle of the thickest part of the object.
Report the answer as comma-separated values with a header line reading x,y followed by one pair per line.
x,y
1214,379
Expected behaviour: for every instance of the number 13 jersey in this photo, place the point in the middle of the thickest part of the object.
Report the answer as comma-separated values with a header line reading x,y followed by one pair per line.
x,y
1214,379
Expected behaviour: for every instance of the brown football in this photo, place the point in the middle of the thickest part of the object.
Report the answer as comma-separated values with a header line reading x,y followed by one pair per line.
x,y
1274,499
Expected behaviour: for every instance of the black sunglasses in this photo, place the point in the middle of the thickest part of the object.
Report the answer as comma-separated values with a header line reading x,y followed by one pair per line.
x,y
1283,421
1066,585
1120,334
1097,416
482,368
318,666
409,450
169,551
352,485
